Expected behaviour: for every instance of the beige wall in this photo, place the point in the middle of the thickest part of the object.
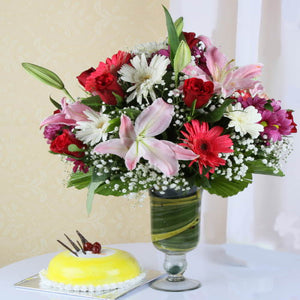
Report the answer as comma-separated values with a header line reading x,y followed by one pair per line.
x,y
66,36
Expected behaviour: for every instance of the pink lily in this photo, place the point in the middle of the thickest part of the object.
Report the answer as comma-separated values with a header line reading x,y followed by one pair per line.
x,y
68,115
226,78
138,140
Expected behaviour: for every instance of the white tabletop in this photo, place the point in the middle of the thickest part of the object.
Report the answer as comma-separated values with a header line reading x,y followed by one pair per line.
x,y
227,272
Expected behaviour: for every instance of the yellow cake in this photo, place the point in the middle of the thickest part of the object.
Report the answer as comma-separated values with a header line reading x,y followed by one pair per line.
x,y
110,269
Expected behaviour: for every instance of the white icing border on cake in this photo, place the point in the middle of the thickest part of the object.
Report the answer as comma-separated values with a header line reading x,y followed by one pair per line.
x,y
88,288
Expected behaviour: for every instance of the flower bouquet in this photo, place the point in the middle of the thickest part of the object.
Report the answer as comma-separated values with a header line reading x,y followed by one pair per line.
x,y
172,114
174,117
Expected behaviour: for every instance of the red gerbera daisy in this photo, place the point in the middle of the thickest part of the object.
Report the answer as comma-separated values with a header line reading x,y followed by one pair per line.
x,y
207,143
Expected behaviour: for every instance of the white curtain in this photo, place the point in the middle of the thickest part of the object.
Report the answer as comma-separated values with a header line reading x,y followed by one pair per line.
x,y
267,213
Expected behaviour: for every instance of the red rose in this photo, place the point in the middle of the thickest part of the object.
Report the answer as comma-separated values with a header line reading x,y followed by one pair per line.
x,y
61,143
190,39
84,75
197,89
104,85
293,124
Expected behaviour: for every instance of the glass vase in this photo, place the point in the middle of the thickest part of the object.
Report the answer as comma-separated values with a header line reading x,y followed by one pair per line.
x,y
175,221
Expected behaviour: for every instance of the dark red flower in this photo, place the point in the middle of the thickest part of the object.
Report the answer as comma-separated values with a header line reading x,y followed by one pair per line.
x,y
84,75
104,85
61,143
293,124
190,39
197,89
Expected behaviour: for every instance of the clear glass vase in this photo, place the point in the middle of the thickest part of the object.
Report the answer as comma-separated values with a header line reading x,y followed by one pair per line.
x,y
175,222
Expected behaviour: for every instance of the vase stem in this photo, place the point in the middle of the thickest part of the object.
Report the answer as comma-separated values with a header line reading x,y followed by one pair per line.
x,y
175,265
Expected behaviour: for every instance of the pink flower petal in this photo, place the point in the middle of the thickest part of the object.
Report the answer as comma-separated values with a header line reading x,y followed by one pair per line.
x,y
133,155
215,61
159,155
180,152
196,72
249,71
126,131
155,119
75,111
114,146
59,118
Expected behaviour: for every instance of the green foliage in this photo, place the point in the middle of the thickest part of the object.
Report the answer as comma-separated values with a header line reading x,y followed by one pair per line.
x,y
74,148
268,106
172,34
112,124
108,189
215,115
80,180
44,75
179,26
118,98
94,102
258,167
96,181
55,103
182,59
225,188
131,113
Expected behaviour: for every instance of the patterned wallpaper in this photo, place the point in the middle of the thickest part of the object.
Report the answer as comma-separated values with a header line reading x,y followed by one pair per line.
x,y
67,37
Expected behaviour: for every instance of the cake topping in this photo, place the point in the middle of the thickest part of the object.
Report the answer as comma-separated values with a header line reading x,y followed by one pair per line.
x,y
96,248
85,245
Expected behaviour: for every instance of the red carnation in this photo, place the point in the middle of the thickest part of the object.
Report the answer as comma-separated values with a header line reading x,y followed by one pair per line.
x,y
197,89
61,143
104,85
84,75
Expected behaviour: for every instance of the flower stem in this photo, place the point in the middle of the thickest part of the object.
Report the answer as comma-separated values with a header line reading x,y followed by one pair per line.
x,y
68,94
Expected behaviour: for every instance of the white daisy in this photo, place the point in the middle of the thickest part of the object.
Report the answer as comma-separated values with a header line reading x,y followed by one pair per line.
x,y
94,129
144,76
149,48
244,120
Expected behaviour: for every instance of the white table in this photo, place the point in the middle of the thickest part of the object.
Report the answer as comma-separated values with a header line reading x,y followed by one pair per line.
x,y
227,272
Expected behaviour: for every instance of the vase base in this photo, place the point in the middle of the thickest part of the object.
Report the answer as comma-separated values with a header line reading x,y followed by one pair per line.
x,y
175,286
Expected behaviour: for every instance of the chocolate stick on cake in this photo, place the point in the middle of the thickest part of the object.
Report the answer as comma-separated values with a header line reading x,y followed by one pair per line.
x,y
67,248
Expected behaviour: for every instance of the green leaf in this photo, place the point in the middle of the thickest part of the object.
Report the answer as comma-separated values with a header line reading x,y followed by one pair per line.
x,y
118,98
269,107
44,75
199,180
96,181
93,102
112,124
193,107
225,188
74,148
55,103
80,180
107,189
172,34
217,114
131,113
179,26
182,59
258,167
